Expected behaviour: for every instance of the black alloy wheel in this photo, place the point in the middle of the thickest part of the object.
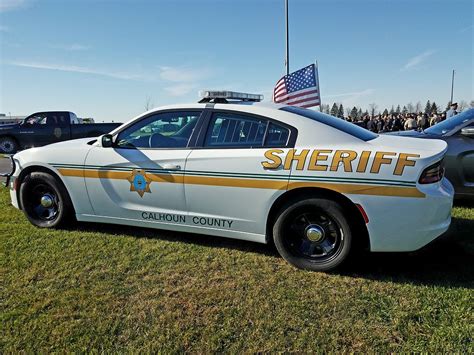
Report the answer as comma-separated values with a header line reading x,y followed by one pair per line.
x,y
45,201
313,234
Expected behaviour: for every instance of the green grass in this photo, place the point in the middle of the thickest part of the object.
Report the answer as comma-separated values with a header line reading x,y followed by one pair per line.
x,y
106,288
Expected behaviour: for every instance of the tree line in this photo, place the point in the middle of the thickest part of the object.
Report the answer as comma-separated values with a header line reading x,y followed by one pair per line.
x,y
337,109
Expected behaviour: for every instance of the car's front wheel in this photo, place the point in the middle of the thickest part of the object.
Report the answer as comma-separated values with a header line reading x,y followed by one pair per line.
x,y
45,201
313,234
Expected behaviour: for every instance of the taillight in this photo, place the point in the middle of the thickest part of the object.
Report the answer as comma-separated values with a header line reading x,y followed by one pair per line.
x,y
432,174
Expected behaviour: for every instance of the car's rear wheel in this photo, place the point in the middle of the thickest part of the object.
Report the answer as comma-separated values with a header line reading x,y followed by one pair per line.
x,y
45,201
8,145
313,234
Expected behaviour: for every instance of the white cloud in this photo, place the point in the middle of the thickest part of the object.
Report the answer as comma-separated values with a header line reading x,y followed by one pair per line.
x,y
72,47
184,79
181,89
465,29
417,60
352,94
183,74
83,70
180,81
7,5
349,98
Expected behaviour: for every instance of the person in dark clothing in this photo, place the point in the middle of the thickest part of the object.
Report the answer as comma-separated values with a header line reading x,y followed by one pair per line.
x,y
396,124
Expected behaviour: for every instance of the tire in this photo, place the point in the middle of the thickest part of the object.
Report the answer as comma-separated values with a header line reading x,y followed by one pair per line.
x,y
313,234
8,145
37,191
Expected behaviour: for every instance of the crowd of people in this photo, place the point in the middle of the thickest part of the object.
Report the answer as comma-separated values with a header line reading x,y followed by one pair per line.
x,y
402,121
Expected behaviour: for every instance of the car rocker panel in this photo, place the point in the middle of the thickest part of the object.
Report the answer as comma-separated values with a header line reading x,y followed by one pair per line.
x,y
231,191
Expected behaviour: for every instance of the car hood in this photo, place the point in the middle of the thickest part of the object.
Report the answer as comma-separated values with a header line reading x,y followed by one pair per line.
x,y
67,152
73,143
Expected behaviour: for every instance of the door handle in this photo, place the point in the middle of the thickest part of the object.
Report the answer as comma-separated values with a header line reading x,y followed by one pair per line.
x,y
171,167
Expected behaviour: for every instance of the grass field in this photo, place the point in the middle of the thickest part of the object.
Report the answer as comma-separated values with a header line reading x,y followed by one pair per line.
x,y
105,288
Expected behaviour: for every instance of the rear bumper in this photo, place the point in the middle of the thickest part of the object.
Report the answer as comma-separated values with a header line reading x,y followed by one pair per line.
x,y
400,224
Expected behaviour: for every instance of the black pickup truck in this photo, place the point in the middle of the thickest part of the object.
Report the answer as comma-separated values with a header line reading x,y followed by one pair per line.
x,y
43,128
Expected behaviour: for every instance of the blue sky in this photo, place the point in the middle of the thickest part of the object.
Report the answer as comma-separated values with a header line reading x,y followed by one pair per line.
x,y
104,59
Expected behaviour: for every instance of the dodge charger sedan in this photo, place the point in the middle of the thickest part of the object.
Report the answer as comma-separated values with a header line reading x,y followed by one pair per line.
x,y
318,187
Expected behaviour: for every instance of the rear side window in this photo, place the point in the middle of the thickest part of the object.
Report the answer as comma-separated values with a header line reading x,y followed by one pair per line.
x,y
233,130
277,136
334,122
58,119
245,131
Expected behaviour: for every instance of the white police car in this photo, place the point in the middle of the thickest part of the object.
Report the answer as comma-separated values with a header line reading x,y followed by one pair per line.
x,y
230,166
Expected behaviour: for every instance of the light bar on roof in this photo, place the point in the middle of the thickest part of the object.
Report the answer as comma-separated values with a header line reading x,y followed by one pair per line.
x,y
229,95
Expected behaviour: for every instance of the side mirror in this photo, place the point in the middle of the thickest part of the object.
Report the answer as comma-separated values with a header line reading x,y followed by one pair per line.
x,y
107,141
468,132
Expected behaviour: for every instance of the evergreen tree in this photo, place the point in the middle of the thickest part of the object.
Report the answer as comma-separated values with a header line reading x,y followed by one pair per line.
x,y
340,112
434,108
366,113
404,110
392,110
385,112
334,110
359,113
428,108
397,111
354,112
325,108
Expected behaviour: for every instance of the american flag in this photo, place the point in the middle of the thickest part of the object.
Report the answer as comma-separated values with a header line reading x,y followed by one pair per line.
x,y
300,88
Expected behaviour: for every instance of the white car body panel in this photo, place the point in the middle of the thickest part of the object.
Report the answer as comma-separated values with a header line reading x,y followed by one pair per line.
x,y
229,192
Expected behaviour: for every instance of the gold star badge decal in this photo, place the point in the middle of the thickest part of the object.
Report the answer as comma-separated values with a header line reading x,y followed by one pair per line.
x,y
139,182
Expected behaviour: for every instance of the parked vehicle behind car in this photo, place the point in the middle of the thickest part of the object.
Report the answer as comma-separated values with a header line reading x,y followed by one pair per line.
x,y
458,132
43,128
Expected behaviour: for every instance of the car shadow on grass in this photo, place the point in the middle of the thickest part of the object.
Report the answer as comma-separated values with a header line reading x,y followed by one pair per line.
x,y
445,262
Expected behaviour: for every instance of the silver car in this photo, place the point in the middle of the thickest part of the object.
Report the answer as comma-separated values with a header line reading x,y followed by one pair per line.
x,y
458,132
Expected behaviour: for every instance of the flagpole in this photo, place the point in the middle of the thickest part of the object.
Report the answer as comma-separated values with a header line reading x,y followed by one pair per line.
x,y
452,88
287,57
319,87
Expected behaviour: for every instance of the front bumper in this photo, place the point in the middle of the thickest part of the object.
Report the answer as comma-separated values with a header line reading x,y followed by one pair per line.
x,y
9,174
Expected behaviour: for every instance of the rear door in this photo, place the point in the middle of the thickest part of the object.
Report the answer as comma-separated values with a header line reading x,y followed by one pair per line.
x,y
59,126
226,186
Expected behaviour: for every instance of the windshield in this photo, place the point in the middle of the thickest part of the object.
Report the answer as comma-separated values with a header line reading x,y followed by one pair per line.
x,y
449,124
337,123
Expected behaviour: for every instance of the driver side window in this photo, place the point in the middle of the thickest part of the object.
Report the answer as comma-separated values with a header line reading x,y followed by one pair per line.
x,y
161,130
37,119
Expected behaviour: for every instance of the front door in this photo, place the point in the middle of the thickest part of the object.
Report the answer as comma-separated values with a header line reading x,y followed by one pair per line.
x,y
45,128
460,162
141,177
